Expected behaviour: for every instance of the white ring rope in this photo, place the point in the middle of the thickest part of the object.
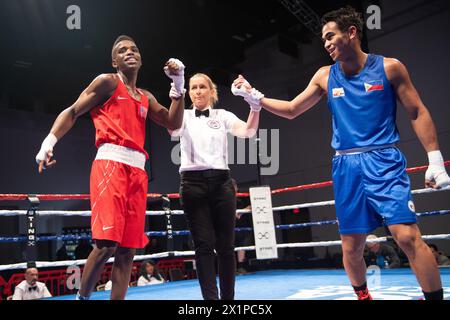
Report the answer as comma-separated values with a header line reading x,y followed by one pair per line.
x,y
86,213
339,242
47,264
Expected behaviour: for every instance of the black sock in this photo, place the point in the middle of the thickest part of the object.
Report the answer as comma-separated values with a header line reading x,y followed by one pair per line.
x,y
360,288
435,295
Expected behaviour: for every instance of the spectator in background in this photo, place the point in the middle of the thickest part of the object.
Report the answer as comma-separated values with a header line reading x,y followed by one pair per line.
x,y
440,258
381,254
30,288
153,246
83,249
149,274
61,254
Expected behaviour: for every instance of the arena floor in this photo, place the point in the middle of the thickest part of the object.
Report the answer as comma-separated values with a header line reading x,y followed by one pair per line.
x,y
398,284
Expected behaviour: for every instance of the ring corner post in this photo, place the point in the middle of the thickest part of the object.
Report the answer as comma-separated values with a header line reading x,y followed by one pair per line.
x,y
169,228
31,250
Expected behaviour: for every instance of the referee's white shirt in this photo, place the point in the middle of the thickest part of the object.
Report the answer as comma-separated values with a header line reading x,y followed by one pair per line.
x,y
203,140
23,291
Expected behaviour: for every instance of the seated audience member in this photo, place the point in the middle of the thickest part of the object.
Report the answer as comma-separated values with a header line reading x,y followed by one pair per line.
x,y
441,259
381,254
62,254
30,288
83,249
149,274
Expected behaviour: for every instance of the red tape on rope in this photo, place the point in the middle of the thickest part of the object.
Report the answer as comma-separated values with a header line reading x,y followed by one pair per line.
x,y
48,197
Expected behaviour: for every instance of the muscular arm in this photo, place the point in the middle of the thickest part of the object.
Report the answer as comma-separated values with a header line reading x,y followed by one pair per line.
x,y
96,93
304,101
171,119
421,120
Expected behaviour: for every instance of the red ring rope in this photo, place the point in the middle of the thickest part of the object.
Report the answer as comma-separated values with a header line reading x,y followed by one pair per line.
x,y
44,197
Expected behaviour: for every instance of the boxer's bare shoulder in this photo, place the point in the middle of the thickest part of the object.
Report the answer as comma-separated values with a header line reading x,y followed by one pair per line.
x,y
321,78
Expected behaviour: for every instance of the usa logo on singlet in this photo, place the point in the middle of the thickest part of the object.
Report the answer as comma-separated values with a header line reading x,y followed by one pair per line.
x,y
143,112
376,85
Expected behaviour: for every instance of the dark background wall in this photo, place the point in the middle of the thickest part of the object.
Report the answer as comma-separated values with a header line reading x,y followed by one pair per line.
x,y
416,37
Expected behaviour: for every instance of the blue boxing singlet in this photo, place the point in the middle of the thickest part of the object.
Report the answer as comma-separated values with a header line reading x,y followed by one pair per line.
x,y
363,106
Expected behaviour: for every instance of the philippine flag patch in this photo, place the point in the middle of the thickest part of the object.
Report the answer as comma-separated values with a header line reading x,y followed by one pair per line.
x,y
338,92
376,85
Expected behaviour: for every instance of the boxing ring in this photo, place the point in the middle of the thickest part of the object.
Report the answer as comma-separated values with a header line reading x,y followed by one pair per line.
x,y
329,284
396,284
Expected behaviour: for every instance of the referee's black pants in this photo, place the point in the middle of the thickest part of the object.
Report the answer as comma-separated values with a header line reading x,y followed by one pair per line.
x,y
209,203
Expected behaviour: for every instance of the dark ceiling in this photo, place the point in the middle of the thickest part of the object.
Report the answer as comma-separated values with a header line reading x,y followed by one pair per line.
x,y
44,65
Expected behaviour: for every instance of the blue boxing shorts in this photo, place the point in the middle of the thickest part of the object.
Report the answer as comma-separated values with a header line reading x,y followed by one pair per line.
x,y
372,189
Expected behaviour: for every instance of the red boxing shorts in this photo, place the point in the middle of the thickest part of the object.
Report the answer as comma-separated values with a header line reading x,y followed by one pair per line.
x,y
118,203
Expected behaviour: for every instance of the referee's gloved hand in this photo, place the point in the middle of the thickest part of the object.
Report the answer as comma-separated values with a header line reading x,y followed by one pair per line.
x,y
436,176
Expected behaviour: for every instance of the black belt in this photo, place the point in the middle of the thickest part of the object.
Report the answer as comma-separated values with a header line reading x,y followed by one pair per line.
x,y
211,173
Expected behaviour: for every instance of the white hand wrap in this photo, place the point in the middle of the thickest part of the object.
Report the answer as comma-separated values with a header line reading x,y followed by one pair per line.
x,y
173,93
253,97
436,171
177,85
46,147
255,108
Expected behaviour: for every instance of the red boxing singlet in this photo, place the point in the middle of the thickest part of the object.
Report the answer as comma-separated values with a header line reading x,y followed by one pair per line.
x,y
121,120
